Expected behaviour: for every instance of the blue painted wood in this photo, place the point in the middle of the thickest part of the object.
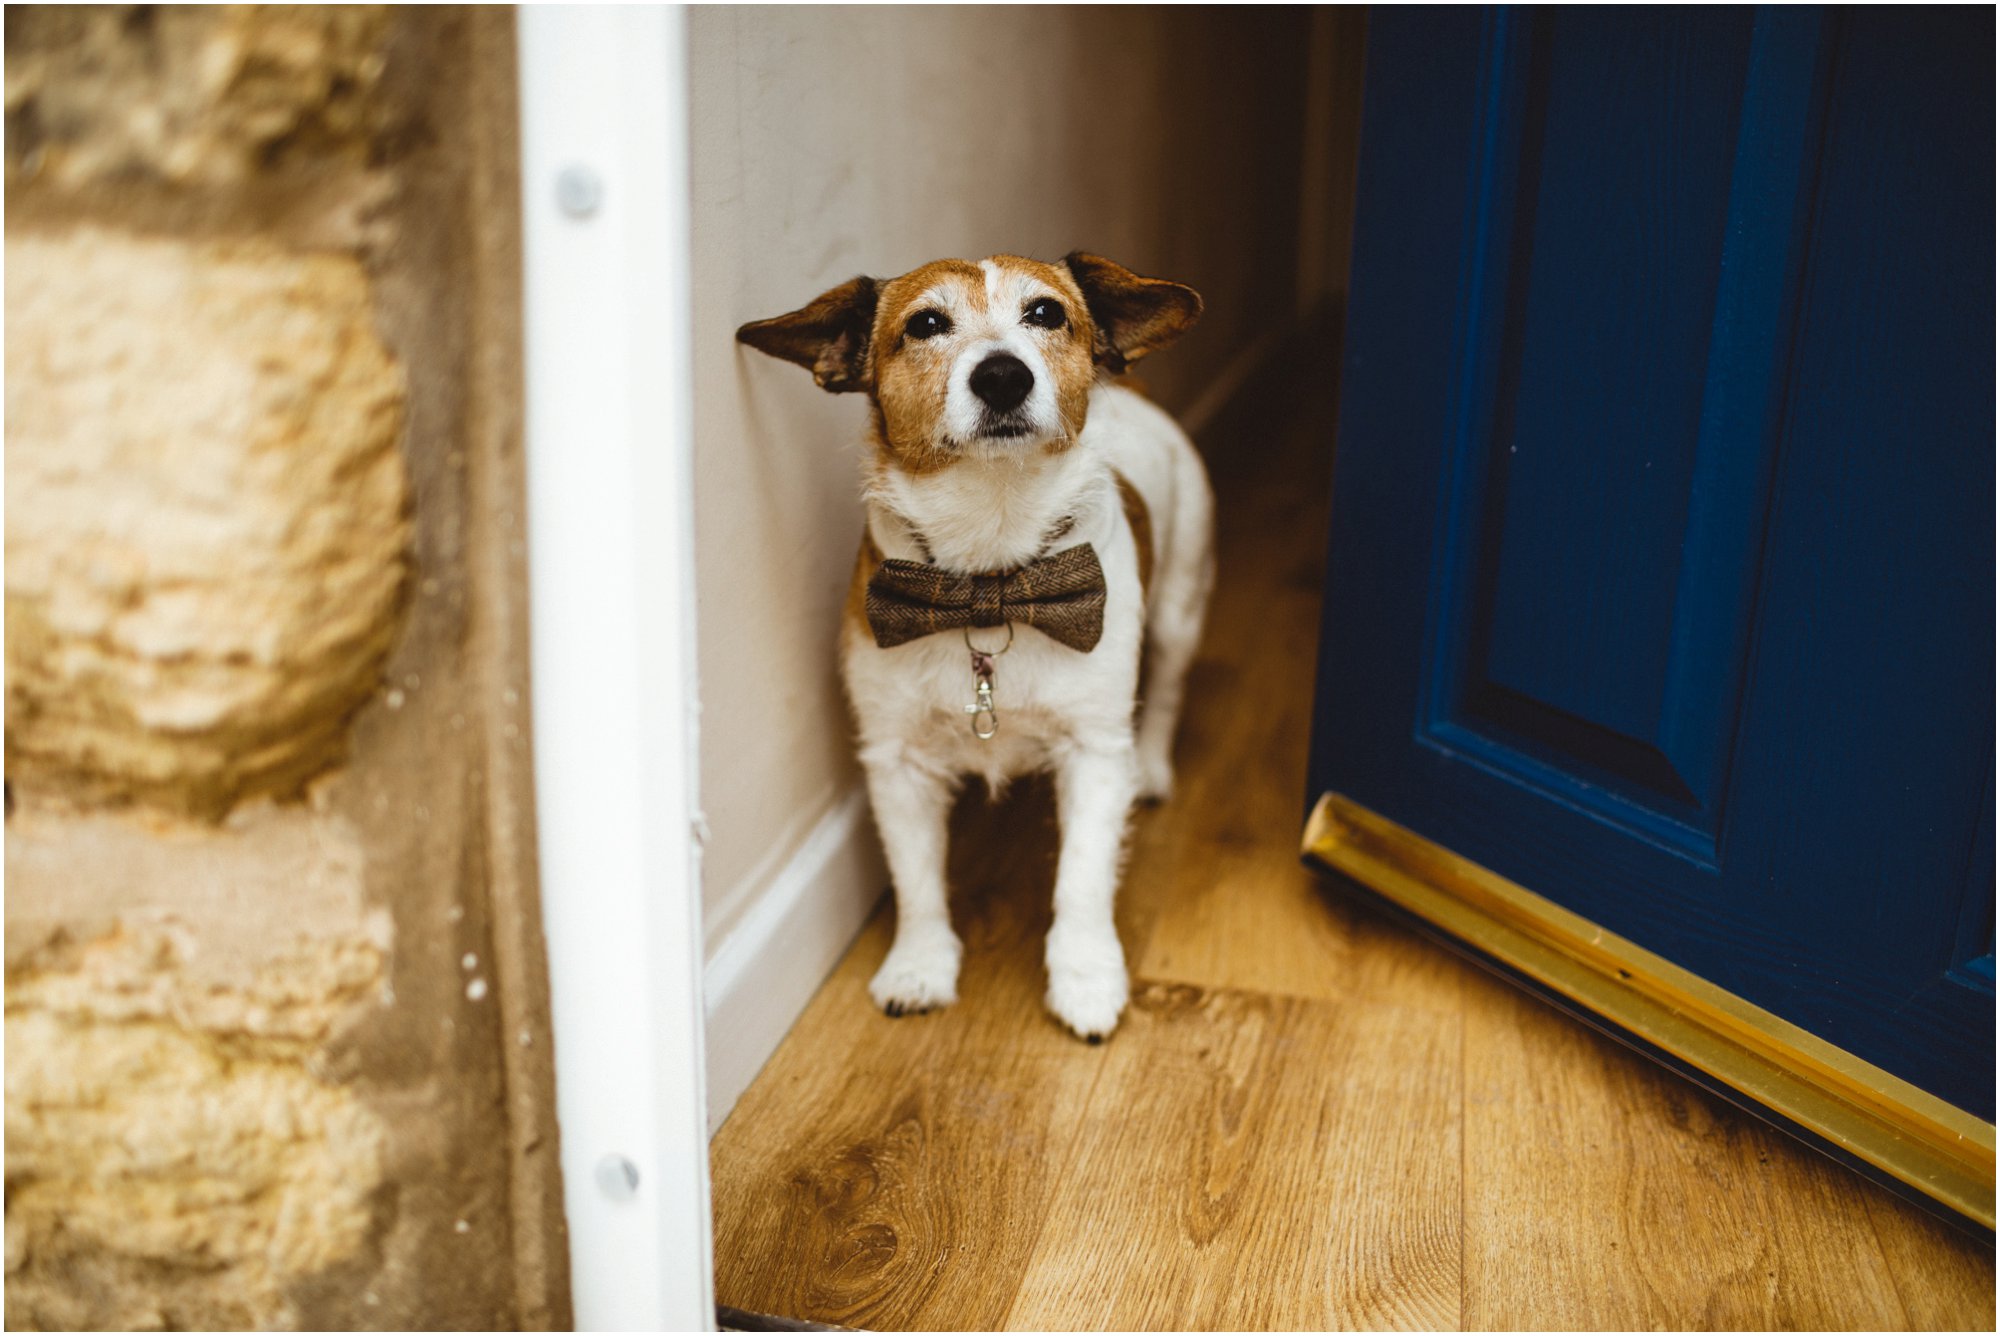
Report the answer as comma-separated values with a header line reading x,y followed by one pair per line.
x,y
1661,574
1593,454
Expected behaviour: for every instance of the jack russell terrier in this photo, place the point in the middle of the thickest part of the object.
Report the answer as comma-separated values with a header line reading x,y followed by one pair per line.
x,y
1031,527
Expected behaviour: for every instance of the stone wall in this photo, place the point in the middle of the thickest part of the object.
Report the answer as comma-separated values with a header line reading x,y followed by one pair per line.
x,y
276,1008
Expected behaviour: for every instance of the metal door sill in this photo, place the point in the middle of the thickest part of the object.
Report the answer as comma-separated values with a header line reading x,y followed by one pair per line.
x,y
1867,1116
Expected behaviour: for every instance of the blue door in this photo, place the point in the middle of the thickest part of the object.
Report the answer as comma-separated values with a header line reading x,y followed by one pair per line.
x,y
1661,573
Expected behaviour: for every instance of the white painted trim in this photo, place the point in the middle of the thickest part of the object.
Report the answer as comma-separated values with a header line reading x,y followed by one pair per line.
x,y
609,442
761,976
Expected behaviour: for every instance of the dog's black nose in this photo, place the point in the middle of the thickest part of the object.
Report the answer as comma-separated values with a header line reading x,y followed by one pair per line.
x,y
1002,382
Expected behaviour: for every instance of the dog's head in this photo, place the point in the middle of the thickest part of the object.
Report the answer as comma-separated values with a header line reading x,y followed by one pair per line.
x,y
979,359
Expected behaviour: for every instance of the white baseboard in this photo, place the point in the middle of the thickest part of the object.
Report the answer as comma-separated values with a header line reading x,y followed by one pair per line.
x,y
760,976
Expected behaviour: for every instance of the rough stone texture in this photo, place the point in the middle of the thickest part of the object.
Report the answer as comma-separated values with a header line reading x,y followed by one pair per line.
x,y
188,94
173,1160
205,515
178,1152
275,983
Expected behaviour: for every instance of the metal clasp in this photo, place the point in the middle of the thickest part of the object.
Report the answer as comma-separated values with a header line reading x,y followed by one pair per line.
x,y
981,710
985,723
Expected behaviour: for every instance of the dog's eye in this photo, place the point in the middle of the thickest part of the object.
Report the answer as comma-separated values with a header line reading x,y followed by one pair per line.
x,y
927,325
1046,313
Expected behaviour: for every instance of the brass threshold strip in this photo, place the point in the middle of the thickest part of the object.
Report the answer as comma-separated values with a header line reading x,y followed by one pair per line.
x,y
1913,1136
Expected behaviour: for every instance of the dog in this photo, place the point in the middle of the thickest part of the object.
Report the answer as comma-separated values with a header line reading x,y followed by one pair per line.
x,y
1032,526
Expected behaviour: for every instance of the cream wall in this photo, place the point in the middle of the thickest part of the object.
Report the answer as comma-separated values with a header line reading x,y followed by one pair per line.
x,y
830,142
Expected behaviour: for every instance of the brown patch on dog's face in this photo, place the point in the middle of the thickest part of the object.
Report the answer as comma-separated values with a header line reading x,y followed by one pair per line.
x,y
985,359
914,357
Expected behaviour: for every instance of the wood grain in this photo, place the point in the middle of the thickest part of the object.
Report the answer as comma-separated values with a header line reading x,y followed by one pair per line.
x,y
894,1173
1251,1162
1214,891
1602,1191
1943,1275
1310,1118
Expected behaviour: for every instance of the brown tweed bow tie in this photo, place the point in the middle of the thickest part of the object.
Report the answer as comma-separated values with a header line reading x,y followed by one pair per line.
x,y
1061,596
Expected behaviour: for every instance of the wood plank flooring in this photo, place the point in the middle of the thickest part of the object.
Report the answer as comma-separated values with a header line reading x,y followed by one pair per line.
x,y
1309,1119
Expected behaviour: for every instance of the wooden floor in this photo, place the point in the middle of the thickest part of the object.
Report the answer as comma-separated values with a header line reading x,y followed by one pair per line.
x,y
1310,1118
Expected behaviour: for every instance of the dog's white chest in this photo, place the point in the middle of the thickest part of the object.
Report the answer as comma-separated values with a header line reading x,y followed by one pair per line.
x,y
928,695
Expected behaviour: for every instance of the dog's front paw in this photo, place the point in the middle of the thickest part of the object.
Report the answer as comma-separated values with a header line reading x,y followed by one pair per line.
x,y
1087,983
1156,779
921,972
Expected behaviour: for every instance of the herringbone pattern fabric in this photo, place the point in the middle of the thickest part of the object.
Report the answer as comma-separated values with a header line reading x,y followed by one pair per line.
x,y
1061,596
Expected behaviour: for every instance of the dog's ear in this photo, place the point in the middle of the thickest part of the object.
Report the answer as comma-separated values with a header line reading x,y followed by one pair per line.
x,y
828,336
1134,316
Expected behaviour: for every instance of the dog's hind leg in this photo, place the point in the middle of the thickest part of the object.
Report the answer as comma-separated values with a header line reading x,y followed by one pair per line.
x,y
1174,620
1087,981
912,814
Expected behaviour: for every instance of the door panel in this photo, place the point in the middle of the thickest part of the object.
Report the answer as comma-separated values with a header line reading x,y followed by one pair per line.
x,y
1635,215
1661,575
1619,211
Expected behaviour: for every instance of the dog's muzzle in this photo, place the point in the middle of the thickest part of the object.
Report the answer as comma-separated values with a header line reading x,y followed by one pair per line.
x,y
1002,382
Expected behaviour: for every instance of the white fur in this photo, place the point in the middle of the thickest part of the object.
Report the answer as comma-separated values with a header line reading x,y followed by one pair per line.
x,y
1058,709
994,329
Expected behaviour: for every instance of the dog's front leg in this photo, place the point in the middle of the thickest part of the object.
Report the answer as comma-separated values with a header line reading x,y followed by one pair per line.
x,y
912,813
1087,983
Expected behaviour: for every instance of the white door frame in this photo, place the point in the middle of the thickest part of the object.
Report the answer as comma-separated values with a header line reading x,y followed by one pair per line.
x,y
609,443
